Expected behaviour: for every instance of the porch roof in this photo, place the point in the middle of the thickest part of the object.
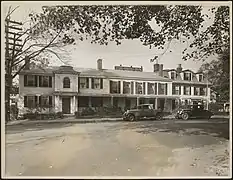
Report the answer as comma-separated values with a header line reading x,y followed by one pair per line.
x,y
60,93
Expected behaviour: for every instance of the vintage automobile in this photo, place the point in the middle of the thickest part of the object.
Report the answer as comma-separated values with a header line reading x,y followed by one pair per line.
x,y
143,111
193,111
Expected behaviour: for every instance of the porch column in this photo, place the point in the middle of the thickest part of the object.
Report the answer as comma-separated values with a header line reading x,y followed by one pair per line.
x,y
77,103
134,87
146,88
122,87
74,104
111,100
137,101
156,103
192,90
89,101
56,103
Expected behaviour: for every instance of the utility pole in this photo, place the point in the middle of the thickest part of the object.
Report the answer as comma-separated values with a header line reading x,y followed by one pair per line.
x,y
11,28
207,99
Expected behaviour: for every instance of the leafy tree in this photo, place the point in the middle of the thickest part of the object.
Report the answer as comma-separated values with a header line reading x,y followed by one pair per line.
x,y
218,72
155,25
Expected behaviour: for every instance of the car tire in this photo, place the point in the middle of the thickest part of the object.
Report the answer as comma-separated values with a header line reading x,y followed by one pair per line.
x,y
185,116
131,117
158,117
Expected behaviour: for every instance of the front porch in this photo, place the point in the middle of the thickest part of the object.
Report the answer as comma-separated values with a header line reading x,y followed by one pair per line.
x,y
124,103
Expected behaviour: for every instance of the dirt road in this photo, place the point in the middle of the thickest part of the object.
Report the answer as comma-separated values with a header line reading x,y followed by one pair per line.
x,y
145,148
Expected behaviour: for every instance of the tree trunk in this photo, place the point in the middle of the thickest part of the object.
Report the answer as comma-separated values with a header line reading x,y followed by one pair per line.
x,y
8,86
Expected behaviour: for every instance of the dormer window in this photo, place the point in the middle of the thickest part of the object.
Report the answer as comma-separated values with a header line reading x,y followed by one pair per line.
x,y
173,75
200,77
66,82
187,76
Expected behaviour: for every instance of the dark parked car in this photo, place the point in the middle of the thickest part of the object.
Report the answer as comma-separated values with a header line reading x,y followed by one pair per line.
x,y
193,111
143,111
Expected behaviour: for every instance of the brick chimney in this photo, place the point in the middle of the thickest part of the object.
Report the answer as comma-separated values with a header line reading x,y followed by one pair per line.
x,y
156,68
161,70
179,68
99,64
27,63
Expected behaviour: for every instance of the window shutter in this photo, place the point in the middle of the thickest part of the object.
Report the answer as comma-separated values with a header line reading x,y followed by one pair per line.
x,y
179,90
50,101
25,80
132,88
101,83
36,101
173,89
110,86
184,90
25,101
40,102
144,88
92,83
87,82
156,89
50,81
190,76
166,89
119,86
40,81
190,92
35,81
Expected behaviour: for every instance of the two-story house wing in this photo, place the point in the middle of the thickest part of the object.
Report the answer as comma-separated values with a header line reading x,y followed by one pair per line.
x,y
188,86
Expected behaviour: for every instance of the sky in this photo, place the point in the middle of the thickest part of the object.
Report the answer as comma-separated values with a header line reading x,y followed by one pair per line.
x,y
129,53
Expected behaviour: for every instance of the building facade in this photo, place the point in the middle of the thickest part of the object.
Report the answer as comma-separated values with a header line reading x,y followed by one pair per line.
x,y
67,89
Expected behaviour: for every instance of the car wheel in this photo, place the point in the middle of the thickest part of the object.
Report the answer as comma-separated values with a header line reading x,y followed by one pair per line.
x,y
159,117
131,117
185,116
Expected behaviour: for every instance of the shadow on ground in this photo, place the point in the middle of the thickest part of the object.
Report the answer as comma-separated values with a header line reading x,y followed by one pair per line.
x,y
213,128
12,129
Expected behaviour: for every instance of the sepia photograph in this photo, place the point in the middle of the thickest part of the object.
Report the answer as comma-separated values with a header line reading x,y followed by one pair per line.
x,y
116,89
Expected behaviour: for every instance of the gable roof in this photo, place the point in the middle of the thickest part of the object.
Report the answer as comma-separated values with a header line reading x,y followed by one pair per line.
x,y
105,73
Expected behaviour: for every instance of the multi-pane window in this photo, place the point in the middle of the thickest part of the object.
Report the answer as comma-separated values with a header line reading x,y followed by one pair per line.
x,y
187,90
202,91
173,75
96,83
175,89
84,82
30,80
139,88
151,88
196,91
187,76
30,101
66,82
45,101
162,88
126,87
115,87
200,77
45,81
37,101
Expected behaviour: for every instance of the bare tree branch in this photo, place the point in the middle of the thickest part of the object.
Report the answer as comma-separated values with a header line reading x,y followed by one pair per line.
x,y
9,13
36,53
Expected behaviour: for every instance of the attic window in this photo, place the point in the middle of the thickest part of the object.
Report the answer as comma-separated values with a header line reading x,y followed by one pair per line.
x,y
200,77
173,75
187,76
